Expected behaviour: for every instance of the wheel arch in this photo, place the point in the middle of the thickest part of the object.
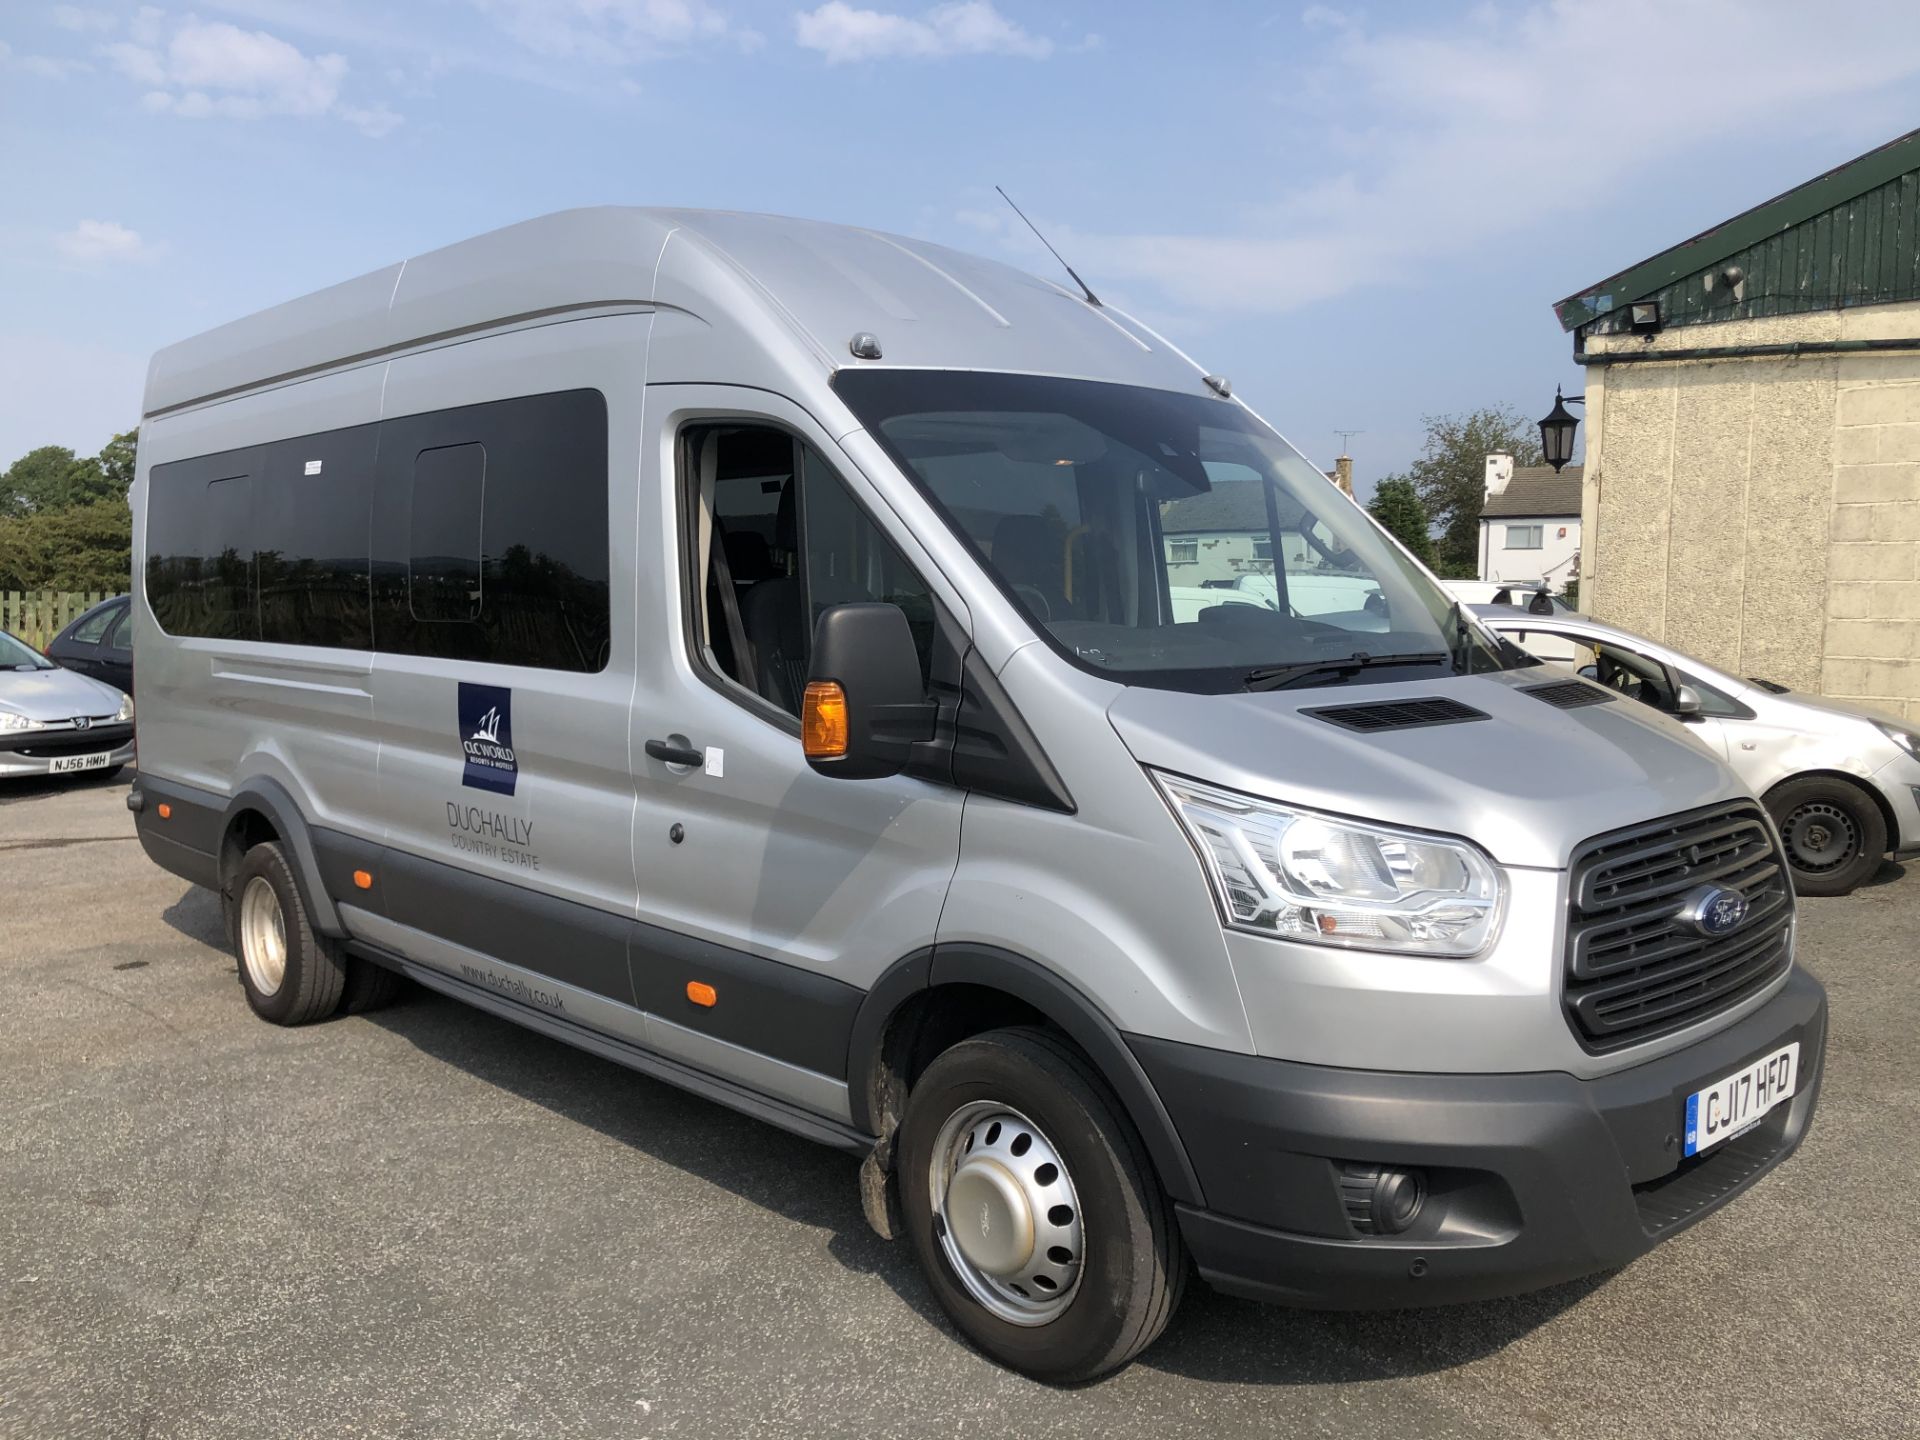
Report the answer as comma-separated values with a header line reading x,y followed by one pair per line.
x,y
1853,782
941,995
260,809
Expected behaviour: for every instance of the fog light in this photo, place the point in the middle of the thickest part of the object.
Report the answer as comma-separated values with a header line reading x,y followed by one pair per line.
x,y
1380,1199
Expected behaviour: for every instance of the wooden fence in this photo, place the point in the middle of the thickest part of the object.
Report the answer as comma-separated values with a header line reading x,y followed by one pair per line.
x,y
36,616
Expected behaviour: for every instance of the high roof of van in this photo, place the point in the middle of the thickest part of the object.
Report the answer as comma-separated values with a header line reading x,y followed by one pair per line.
x,y
797,290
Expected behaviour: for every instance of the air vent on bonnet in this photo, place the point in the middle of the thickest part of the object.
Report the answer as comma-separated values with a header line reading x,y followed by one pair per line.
x,y
1568,694
1396,714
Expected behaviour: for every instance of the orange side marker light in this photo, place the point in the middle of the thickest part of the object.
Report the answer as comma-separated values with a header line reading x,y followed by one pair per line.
x,y
166,811
363,879
823,720
701,993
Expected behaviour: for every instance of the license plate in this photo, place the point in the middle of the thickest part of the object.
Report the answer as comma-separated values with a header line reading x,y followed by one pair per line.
x,y
62,764
1726,1107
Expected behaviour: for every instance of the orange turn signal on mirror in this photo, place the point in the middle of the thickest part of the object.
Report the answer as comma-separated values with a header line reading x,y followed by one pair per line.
x,y
363,879
701,993
823,720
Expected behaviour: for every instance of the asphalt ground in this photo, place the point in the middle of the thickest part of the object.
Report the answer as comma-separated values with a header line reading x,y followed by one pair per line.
x,y
427,1222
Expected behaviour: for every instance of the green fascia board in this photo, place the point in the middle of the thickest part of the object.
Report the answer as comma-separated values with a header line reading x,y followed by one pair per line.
x,y
1729,237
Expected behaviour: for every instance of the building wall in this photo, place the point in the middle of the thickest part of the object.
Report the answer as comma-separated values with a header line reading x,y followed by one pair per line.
x,y
1764,514
1553,559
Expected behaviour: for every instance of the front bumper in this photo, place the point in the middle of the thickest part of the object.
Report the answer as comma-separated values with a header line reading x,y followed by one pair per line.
x,y
32,752
1533,1178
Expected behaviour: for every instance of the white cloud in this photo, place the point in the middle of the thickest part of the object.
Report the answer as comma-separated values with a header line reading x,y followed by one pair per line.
x,y
198,69
1465,121
844,34
100,240
614,30
83,20
44,66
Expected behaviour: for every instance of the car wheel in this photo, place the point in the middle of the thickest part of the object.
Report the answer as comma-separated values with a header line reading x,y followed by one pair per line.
x,y
1834,834
1033,1209
291,975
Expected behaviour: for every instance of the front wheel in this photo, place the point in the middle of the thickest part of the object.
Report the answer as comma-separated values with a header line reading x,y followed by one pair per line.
x,y
1034,1210
1834,833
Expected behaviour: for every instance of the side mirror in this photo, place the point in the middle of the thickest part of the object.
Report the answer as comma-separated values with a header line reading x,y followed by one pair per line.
x,y
1686,702
866,704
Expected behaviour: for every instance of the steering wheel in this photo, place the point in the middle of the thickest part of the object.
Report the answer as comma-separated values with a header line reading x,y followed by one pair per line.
x,y
1036,602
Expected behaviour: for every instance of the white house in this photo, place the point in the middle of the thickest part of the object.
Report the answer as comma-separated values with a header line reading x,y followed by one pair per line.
x,y
1530,524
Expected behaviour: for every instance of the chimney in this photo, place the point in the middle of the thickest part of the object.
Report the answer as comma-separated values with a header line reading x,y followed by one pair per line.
x,y
1499,472
1342,473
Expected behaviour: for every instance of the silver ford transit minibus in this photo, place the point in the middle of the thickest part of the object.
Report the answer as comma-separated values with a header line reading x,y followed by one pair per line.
x,y
812,667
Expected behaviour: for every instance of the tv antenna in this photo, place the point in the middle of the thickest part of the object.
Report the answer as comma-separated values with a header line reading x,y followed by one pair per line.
x,y
1346,435
1086,289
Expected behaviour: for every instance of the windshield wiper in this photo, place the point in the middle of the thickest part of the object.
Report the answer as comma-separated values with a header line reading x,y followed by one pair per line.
x,y
1277,677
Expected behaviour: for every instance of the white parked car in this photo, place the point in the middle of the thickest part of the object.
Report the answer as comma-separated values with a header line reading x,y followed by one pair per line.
x,y
1841,781
1535,602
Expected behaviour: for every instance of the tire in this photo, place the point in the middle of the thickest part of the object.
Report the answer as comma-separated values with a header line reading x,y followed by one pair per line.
x,y
369,987
265,915
1105,1305
1834,833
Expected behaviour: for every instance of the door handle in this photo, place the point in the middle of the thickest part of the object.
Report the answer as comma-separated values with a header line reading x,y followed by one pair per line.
x,y
671,754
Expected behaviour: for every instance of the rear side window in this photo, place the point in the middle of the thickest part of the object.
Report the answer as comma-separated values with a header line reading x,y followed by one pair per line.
x,y
490,533
200,551
443,533
472,534
93,629
310,534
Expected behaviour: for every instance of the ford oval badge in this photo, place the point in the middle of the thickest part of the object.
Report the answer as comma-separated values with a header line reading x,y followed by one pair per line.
x,y
1714,910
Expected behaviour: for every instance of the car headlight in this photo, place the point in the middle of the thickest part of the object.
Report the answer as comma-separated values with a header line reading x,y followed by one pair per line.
x,y
1301,875
126,708
9,721
1905,739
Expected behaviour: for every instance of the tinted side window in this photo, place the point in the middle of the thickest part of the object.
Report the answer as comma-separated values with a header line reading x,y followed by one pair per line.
x,y
443,533
200,572
310,538
490,534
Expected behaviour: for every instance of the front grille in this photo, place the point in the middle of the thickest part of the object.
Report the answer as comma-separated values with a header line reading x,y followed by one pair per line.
x,y
84,742
1635,970
1396,714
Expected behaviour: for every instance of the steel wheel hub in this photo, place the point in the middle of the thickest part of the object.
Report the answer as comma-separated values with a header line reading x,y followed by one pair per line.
x,y
263,936
1819,836
1006,1213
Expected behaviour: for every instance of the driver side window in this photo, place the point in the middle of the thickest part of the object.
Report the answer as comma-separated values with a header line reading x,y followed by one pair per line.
x,y
775,539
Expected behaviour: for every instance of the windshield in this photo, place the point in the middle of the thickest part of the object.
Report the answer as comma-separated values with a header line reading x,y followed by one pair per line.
x,y
18,655
1161,538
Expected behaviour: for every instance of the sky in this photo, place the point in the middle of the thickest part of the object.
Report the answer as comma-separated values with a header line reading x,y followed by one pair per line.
x,y
1359,213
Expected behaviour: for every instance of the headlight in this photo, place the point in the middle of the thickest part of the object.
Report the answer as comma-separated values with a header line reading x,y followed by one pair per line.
x,y
1301,875
126,708
1905,739
10,722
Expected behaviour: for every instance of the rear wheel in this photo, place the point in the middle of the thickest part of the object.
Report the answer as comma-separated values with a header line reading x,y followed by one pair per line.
x,y
1034,1210
291,975
1834,834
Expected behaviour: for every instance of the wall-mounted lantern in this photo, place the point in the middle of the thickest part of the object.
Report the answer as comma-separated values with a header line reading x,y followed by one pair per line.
x,y
1556,431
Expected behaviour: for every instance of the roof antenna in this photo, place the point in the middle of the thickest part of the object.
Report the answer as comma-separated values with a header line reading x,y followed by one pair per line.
x,y
1092,299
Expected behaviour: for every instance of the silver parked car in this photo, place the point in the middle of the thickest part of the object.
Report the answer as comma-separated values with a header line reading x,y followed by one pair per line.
x,y
1842,781
55,721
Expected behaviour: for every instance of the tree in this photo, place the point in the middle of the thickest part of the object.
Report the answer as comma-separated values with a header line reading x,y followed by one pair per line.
x,y
1399,508
78,547
1450,477
52,478
116,460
